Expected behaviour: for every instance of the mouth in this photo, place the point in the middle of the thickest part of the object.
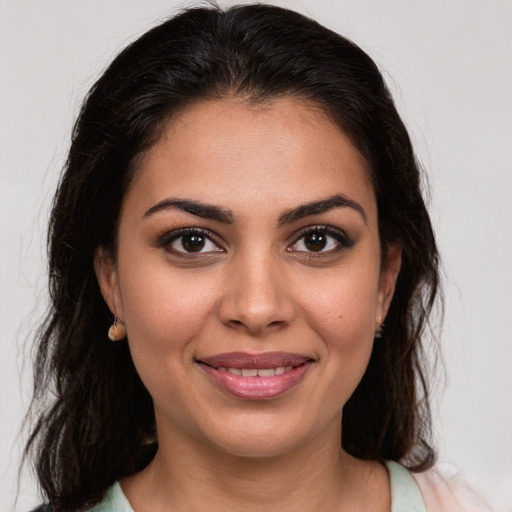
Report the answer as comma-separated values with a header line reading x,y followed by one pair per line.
x,y
256,376
256,372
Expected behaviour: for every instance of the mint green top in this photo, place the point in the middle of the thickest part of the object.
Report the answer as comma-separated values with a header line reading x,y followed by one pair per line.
x,y
405,494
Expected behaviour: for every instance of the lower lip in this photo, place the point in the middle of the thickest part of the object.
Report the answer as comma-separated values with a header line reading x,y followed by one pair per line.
x,y
256,388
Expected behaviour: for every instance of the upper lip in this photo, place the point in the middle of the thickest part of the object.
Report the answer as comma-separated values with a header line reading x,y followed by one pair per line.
x,y
252,361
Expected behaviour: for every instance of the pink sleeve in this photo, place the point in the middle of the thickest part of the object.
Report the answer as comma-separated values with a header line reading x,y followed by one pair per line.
x,y
448,493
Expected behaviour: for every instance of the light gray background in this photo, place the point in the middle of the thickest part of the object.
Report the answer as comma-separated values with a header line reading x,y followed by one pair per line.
x,y
449,65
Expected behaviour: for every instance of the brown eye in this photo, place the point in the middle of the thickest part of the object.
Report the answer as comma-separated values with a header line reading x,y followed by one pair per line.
x,y
315,241
193,242
321,240
188,241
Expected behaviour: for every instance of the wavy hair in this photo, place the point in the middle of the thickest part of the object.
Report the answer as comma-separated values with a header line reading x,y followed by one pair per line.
x,y
95,420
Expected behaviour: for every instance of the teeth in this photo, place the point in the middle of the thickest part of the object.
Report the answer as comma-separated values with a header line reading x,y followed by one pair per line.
x,y
266,372
254,372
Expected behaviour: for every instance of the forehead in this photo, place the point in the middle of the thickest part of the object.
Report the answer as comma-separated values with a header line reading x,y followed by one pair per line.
x,y
236,152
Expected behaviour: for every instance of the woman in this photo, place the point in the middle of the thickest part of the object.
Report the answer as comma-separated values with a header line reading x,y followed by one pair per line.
x,y
241,204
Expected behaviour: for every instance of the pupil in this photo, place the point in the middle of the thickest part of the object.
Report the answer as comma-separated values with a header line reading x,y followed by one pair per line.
x,y
193,243
315,241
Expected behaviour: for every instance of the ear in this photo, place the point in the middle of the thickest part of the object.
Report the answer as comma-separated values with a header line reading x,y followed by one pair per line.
x,y
106,274
387,282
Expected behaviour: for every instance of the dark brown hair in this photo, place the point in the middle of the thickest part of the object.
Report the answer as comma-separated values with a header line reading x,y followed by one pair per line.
x,y
98,421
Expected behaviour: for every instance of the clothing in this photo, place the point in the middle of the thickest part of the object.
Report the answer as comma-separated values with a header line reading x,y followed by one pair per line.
x,y
423,492
444,491
405,494
114,501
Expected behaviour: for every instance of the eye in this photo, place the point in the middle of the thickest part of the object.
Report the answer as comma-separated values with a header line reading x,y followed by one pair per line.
x,y
189,241
321,239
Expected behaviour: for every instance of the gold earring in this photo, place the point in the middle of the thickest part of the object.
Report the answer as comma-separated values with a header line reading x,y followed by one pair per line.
x,y
117,331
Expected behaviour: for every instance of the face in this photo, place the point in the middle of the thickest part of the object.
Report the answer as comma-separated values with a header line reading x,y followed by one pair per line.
x,y
249,276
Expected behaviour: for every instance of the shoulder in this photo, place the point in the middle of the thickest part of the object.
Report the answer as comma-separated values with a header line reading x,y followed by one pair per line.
x,y
113,501
444,491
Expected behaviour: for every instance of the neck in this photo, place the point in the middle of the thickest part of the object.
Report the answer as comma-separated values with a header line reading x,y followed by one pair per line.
x,y
194,476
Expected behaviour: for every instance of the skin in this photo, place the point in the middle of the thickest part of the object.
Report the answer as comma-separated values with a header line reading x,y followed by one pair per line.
x,y
255,286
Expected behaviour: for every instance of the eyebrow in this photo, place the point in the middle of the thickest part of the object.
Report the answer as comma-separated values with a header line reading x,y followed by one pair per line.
x,y
205,211
321,206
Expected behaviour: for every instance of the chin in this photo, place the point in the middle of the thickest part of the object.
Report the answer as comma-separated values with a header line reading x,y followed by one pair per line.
x,y
260,439
259,448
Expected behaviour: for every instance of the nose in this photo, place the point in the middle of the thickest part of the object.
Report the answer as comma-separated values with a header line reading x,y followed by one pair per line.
x,y
256,298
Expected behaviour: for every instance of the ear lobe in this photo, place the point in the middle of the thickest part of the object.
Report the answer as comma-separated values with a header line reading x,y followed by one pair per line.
x,y
106,274
388,277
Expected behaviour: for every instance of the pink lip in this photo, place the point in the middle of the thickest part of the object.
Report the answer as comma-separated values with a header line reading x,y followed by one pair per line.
x,y
256,388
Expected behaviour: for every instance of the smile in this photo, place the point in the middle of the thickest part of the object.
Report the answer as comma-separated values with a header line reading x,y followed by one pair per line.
x,y
256,376
256,372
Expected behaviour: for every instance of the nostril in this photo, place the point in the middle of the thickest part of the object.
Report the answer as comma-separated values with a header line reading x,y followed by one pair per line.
x,y
256,312
253,327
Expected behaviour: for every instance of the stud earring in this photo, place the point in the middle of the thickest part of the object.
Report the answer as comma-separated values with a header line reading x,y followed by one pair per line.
x,y
378,332
117,330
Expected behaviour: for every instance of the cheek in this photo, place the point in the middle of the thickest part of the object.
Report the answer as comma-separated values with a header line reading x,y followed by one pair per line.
x,y
343,305
342,313
348,333
164,310
164,314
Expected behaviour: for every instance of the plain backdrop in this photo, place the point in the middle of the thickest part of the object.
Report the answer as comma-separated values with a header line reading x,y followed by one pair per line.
x,y
449,65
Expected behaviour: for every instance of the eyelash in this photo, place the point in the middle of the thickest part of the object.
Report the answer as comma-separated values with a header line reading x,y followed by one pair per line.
x,y
343,241
167,239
